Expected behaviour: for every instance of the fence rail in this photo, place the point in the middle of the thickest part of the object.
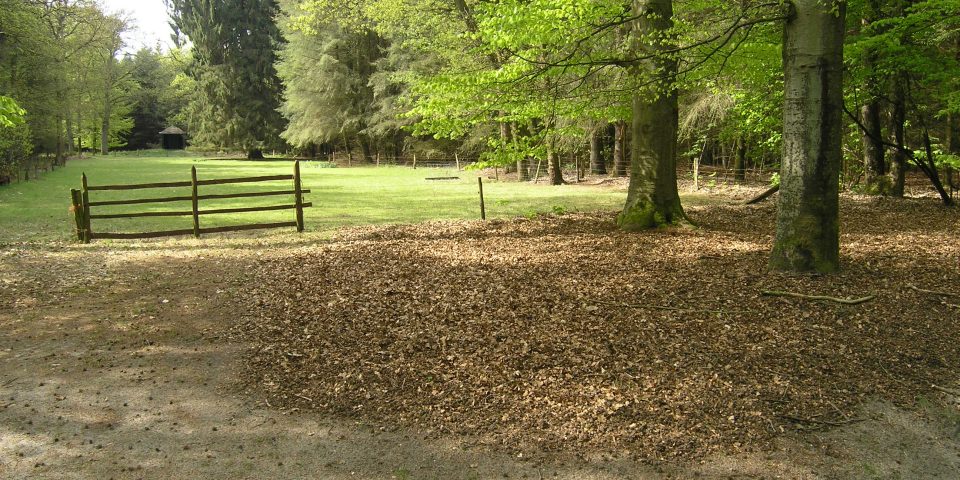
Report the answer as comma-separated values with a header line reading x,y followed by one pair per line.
x,y
82,205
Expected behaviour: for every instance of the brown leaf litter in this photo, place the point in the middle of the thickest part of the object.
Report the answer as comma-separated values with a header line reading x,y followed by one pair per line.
x,y
564,334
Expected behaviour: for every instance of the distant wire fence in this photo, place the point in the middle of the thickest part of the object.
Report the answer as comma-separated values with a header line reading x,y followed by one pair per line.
x,y
26,168
83,216
414,161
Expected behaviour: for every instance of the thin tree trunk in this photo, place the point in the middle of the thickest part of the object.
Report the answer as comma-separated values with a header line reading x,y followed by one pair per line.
x,y
553,164
620,149
652,197
70,136
808,223
740,163
105,136
506,136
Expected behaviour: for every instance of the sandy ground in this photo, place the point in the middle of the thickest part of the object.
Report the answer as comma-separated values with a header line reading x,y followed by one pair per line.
x,y
113,365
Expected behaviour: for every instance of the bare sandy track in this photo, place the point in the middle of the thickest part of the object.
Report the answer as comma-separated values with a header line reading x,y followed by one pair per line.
x,y
113,365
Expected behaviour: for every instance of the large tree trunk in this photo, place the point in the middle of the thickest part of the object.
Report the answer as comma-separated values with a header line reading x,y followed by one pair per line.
x,y
255,154
808,223
874,164
620,149
652,198
898,117
597,164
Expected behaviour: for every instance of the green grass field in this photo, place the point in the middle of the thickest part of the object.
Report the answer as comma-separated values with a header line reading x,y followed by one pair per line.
x,y
39,210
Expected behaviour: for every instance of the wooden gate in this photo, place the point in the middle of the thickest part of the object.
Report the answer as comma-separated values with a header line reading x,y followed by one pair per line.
x,y
83,217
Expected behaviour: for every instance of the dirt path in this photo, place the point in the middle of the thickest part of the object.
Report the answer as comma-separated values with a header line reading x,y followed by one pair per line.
x,y
113,365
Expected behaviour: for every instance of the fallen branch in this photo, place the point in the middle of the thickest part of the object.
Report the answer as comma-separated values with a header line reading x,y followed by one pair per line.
x,y
763,196
663,307
946,390
821,422
844,301
933,292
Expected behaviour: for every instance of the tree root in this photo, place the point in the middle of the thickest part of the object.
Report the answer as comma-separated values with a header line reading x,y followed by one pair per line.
x,y
844,301
933,292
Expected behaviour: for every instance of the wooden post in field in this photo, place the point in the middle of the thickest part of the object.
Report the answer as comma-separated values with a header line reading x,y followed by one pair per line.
x,y
456,155
76,202
483,206
196,202
298,195
85,200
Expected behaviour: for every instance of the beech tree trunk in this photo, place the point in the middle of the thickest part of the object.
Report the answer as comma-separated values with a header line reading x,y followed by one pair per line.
x,y
652,197
898,167
808,226
874,163
597,165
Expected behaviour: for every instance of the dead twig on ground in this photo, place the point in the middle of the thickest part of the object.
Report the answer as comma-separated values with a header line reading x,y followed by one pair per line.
x,y
663,307
933,292
844,301
946,390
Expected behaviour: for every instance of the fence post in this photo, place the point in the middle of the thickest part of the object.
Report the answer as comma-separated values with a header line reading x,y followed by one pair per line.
x,y
456,155
85,200
196,202
298,193
75,200
483,207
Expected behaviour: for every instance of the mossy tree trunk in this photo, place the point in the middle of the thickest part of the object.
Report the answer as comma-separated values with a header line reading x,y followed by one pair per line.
x,y
808,227
652,198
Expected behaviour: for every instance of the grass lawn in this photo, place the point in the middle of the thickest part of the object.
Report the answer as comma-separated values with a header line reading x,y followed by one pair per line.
x,y
39,210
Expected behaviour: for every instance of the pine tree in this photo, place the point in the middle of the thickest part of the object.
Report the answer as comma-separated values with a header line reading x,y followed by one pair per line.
x,y
235,44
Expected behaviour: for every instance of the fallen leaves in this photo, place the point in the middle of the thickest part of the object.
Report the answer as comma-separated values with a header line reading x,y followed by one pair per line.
x,y
563,333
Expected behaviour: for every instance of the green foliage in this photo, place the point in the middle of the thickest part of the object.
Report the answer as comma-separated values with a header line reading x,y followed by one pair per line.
x,y
11,114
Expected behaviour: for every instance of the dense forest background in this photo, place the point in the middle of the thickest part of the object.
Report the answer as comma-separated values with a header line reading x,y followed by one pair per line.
x,y
513,83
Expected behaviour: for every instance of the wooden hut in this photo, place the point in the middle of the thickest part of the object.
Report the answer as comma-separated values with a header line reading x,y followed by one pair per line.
x,y
173,139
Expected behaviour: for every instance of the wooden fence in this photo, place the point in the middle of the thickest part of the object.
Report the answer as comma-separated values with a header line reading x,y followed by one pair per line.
x,y
82,205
